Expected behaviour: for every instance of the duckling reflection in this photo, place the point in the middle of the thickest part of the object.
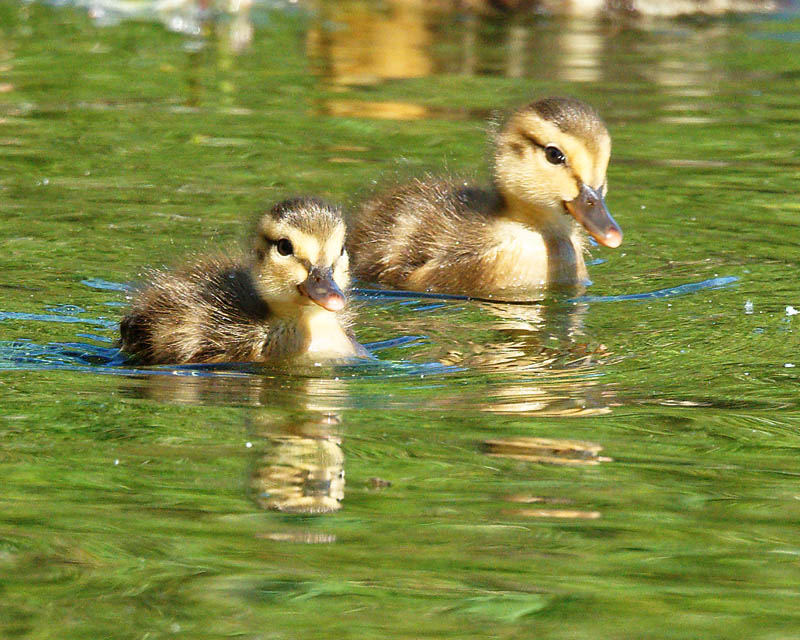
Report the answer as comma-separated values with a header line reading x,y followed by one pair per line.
x,y
528,337
546,450
284,390
539,359
301,466
298,464
549,451
550,358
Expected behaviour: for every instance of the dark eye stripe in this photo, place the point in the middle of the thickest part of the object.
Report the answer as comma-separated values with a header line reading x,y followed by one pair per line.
x,y
531,139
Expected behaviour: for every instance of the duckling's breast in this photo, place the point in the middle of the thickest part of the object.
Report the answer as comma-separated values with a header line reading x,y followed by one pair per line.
x,y
527,259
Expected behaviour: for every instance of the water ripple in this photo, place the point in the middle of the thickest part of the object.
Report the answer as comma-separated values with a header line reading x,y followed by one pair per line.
x,y
671,292
51,317
85,357
105,285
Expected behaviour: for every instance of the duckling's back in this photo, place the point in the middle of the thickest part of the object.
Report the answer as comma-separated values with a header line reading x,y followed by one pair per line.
x,y
208,312
413,236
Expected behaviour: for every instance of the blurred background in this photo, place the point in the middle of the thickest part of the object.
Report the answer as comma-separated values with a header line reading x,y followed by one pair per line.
x,y
622,464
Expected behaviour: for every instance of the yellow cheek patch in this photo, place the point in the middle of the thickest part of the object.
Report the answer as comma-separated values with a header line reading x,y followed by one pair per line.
x,y
321,252
332,247
341,272
566,185
277,276
588,167
306,247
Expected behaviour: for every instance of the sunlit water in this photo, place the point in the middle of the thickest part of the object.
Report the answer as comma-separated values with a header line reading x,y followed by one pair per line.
x,y
620,464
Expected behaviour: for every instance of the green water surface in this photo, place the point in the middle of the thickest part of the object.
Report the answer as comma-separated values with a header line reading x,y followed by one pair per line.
x,y
160,504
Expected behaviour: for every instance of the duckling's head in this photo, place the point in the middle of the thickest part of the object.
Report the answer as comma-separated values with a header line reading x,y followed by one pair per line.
x,y
299,259
552,155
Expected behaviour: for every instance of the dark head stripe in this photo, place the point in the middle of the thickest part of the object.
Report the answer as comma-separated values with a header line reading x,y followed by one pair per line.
x,y
571,116
308,214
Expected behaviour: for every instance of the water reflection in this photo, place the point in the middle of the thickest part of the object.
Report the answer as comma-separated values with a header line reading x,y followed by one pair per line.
x,y
537,357
572,453
228,20
242,385
547,339
301,467
530,337
358,45
352,43
295,433
355,45
582,43
299,464
546,450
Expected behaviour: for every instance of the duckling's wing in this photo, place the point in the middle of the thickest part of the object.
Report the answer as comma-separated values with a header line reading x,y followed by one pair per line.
x,y
409,237
208,312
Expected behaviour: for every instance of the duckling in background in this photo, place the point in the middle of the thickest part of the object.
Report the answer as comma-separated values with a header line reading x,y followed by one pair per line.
x,y
508,241
283,300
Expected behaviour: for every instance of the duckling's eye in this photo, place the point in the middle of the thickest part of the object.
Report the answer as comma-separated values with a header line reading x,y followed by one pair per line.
x,y
284,247
554,155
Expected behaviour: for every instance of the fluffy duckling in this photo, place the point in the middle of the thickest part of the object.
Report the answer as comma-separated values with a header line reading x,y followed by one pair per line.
x,y
283,300
508,241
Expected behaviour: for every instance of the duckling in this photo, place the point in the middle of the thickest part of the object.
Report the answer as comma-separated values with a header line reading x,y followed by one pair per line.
x,y
508,241
282,300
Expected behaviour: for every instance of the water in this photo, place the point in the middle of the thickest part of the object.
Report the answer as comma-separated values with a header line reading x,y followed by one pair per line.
x,y
619,465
